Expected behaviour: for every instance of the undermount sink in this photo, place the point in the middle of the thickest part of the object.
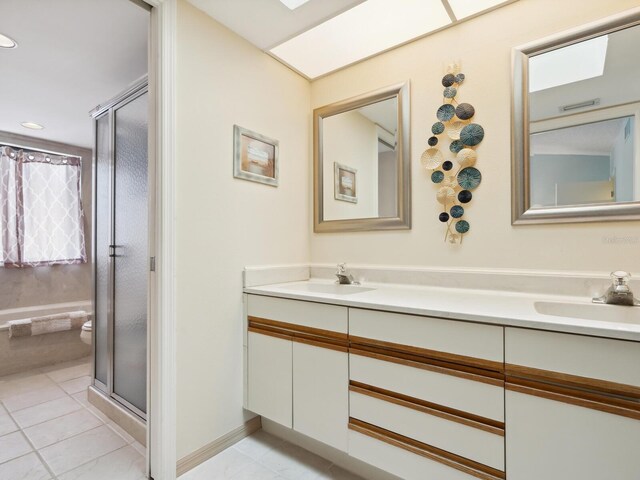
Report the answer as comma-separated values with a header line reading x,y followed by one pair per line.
x,y
590,311
330,288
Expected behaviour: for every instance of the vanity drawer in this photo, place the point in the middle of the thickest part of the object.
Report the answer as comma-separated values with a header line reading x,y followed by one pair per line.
x,y
609,366
406,459
307,314
475,394
449,433
449,340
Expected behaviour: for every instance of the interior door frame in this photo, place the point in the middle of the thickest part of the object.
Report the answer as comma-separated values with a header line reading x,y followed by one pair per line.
x,y
161,338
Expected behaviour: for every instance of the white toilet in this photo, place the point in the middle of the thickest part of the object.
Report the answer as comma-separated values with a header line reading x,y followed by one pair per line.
x,y
85,332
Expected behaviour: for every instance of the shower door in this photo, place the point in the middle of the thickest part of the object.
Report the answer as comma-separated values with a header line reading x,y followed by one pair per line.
x,y
121,249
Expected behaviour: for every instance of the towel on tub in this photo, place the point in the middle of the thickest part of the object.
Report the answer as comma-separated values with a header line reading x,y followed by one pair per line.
x,y
47,324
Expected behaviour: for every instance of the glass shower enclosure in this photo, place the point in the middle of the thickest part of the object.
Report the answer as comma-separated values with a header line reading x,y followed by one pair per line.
x,y
121,248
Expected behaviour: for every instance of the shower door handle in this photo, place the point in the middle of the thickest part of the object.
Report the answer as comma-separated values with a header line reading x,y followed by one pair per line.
x,y
112,250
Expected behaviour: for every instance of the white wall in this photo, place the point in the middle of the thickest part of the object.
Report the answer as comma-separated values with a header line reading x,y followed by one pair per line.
x,y
350,139
623,164
483,47
224,223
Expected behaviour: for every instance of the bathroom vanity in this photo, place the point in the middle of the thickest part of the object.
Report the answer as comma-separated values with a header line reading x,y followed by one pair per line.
x,y
423,387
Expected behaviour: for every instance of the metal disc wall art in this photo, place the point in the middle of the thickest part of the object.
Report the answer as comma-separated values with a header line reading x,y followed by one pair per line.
x,y
454,172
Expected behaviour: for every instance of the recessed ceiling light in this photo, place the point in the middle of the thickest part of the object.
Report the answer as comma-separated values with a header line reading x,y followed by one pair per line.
x,y
6,42
293,4
571,64
363,31
32,125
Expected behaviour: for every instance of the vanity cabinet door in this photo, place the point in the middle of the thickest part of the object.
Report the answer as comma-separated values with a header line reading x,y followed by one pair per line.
x,y
269,377
321,393
553,440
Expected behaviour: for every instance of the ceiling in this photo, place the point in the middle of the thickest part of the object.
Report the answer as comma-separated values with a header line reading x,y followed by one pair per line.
x,y
267,23
323,36
619,84
71,56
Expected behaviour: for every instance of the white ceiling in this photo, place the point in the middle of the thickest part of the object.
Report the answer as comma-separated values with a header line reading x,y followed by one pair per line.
x,y
619,84
589,139
323,36
71,56
267,23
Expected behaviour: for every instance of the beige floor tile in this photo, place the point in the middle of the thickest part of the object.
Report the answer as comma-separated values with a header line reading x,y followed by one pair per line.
x,y
121,431
27,467
82,398
295,463
141,449
13,445
76,385
123,464
7,425
17,385
98,414
337,473
28,417
34,397
69,373
52,431
258,444
86,447
222,466
256,471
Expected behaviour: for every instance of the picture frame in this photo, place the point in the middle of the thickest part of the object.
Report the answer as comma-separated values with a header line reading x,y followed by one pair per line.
x,y
345,183
255,156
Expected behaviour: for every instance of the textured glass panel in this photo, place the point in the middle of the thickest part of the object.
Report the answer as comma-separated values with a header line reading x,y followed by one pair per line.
x,y
132,259
102,241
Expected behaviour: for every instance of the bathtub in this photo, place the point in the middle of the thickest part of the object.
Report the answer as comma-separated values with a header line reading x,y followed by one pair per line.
x,y
25,353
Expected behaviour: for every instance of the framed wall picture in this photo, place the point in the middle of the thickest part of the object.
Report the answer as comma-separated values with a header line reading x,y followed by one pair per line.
x,y
255,157
345,187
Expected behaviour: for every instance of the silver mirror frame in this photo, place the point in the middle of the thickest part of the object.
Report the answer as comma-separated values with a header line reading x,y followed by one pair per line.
x,y
403,219
521,212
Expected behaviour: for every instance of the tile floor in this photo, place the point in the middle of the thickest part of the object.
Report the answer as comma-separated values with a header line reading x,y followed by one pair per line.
x,y
265,457
49,431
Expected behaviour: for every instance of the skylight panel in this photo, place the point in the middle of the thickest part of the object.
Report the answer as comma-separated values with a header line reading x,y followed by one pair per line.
x,y
570,64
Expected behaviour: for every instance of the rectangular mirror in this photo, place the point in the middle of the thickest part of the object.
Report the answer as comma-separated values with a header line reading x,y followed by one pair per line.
x,y
362,162
576,125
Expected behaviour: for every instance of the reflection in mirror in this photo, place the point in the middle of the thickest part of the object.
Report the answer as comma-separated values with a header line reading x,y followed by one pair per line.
x,y
576,132
361,162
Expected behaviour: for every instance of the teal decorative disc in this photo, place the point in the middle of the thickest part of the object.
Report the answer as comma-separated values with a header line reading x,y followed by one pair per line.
x,y
462,226
472,134
445,112
469,178
457,211
437,176
456,146
437,128
450,92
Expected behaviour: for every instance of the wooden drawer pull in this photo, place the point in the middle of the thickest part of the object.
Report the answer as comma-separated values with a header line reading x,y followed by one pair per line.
x,y
462,464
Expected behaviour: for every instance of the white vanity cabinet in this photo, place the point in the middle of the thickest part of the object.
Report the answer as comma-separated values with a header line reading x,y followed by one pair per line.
x,y
297,366
426,396
572,407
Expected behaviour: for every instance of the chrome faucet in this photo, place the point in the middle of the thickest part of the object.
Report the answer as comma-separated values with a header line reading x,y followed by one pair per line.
x,y
344,277
619,292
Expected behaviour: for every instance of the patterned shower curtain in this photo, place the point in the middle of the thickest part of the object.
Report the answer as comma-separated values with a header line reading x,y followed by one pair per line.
x,y
41,216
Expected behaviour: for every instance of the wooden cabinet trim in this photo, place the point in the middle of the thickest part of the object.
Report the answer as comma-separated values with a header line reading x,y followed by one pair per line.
x,y
257,321
269,333
573,397
446,413
603,386
449,459
436,366
389,348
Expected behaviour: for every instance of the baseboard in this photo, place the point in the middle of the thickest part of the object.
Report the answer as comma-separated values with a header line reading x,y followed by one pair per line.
x,y
129,422
205,453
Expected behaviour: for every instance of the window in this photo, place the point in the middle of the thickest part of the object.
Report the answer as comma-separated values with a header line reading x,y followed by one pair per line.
x,y
41,217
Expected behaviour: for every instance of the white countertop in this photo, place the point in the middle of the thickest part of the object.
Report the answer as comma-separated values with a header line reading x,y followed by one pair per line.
x,y
484,306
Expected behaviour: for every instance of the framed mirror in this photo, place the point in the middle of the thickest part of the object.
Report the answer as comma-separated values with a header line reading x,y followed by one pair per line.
x,y
362,162
576,125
